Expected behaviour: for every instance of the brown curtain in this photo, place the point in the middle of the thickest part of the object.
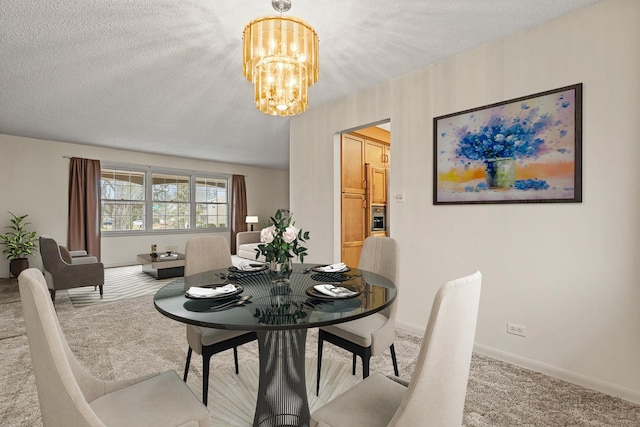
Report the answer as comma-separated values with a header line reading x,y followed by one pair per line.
x,y
84,206
238,208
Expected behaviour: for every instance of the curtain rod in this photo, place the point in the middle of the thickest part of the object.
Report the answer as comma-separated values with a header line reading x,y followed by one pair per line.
x,y
125,165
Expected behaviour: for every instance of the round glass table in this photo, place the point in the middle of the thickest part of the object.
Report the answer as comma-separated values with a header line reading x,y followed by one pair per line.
x,y
280,313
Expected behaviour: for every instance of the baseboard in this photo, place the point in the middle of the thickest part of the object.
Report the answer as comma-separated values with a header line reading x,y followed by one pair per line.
x,y
614,390
121,264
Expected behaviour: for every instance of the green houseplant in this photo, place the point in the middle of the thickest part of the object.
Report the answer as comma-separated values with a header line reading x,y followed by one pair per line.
x,y
19,243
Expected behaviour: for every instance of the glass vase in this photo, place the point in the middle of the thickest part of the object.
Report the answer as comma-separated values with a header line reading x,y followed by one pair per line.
x,y
280,271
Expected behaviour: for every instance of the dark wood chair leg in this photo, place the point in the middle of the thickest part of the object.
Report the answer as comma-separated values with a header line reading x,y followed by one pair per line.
x,y
100,287
235,359
365,362
394,360
186,366
353,364
206,359
53,294
319,365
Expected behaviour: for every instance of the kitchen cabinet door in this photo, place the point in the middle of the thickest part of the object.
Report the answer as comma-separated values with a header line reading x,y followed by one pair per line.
x,y
353,227
374,153
352,164
378,191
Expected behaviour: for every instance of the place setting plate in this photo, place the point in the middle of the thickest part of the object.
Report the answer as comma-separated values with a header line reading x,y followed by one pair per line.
x,y
238,290
254,269
314,293
321,269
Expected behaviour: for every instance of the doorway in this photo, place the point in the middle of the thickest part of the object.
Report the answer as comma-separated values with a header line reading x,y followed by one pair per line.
x,y
365,164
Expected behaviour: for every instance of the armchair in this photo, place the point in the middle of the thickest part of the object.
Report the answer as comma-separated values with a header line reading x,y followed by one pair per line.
x,y
436,394
372,335
62,270
69,395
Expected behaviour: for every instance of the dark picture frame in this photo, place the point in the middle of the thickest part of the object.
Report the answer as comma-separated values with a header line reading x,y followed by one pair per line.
x,y
524,150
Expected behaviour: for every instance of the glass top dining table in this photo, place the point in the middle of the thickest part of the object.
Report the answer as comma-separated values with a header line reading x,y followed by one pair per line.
x,y
280,313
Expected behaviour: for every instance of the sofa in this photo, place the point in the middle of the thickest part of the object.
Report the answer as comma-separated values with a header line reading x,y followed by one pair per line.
x,y
246,244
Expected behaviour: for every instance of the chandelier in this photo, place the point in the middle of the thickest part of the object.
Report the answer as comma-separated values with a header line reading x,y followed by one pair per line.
x,y
280,57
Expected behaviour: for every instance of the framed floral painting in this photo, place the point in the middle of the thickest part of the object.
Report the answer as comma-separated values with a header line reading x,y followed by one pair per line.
x,y
525,150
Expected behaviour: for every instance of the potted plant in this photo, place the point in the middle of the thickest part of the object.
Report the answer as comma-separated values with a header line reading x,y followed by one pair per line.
x,y
19,243
280,243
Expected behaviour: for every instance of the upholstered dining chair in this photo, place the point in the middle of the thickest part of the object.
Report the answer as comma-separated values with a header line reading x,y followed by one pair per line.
x,y
70,396
64,269
371,335
436,393
204,254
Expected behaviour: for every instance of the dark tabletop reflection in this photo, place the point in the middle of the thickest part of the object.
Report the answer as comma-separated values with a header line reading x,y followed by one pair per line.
x,y
274,306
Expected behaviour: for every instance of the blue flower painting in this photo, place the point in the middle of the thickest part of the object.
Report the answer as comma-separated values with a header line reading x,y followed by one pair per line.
x,y
526,149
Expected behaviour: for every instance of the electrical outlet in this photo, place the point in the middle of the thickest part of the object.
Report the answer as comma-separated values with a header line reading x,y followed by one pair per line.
x,y
514,329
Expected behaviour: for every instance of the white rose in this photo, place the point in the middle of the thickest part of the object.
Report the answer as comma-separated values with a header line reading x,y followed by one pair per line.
x,y
266,234
290,234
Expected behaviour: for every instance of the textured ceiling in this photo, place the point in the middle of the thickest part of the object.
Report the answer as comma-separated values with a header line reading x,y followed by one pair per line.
x,y
164,76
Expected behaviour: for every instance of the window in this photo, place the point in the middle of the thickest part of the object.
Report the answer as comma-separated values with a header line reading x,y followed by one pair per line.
x,y
123,200
171,202
154,200
211,203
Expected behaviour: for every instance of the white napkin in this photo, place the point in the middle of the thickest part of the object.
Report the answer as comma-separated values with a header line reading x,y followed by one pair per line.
x,y
333,268
334,291
248,267
199,292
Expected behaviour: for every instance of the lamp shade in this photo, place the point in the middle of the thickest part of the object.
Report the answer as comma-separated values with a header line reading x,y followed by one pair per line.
x,y
251,220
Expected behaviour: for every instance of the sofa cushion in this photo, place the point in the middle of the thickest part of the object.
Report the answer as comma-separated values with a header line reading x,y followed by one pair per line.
x,y
248,251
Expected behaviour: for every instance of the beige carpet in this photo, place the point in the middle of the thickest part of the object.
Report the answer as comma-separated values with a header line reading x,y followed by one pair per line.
x,y
129,337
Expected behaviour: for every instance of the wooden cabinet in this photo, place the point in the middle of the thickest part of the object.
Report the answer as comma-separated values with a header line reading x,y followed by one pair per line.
x,y
377,179
352,164
353,227
377,153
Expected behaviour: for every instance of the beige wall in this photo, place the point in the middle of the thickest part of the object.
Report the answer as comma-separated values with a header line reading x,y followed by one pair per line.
x,y
568,272
34,177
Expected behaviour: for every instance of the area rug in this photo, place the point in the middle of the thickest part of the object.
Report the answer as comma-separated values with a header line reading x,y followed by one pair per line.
x,y
119,283
129,337
232,398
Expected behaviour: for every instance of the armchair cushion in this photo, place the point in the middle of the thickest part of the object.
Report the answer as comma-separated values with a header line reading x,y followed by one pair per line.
x,y
152,402
65,254
371,402
361,331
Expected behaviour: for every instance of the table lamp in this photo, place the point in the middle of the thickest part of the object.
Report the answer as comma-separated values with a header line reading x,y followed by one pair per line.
x,y
251,220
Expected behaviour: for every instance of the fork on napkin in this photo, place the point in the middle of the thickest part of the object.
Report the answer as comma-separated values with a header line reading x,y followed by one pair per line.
x,y
198,292
333,268
334,291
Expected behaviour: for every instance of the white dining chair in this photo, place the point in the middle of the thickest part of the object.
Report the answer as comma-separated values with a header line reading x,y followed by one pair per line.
x,y
372,335
204,254
436,394
70,396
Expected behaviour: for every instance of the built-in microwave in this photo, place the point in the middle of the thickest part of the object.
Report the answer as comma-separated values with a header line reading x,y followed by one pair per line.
x,y
378,218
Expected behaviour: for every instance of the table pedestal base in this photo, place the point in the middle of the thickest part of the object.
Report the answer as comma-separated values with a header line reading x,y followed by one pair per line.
x,y
282,393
